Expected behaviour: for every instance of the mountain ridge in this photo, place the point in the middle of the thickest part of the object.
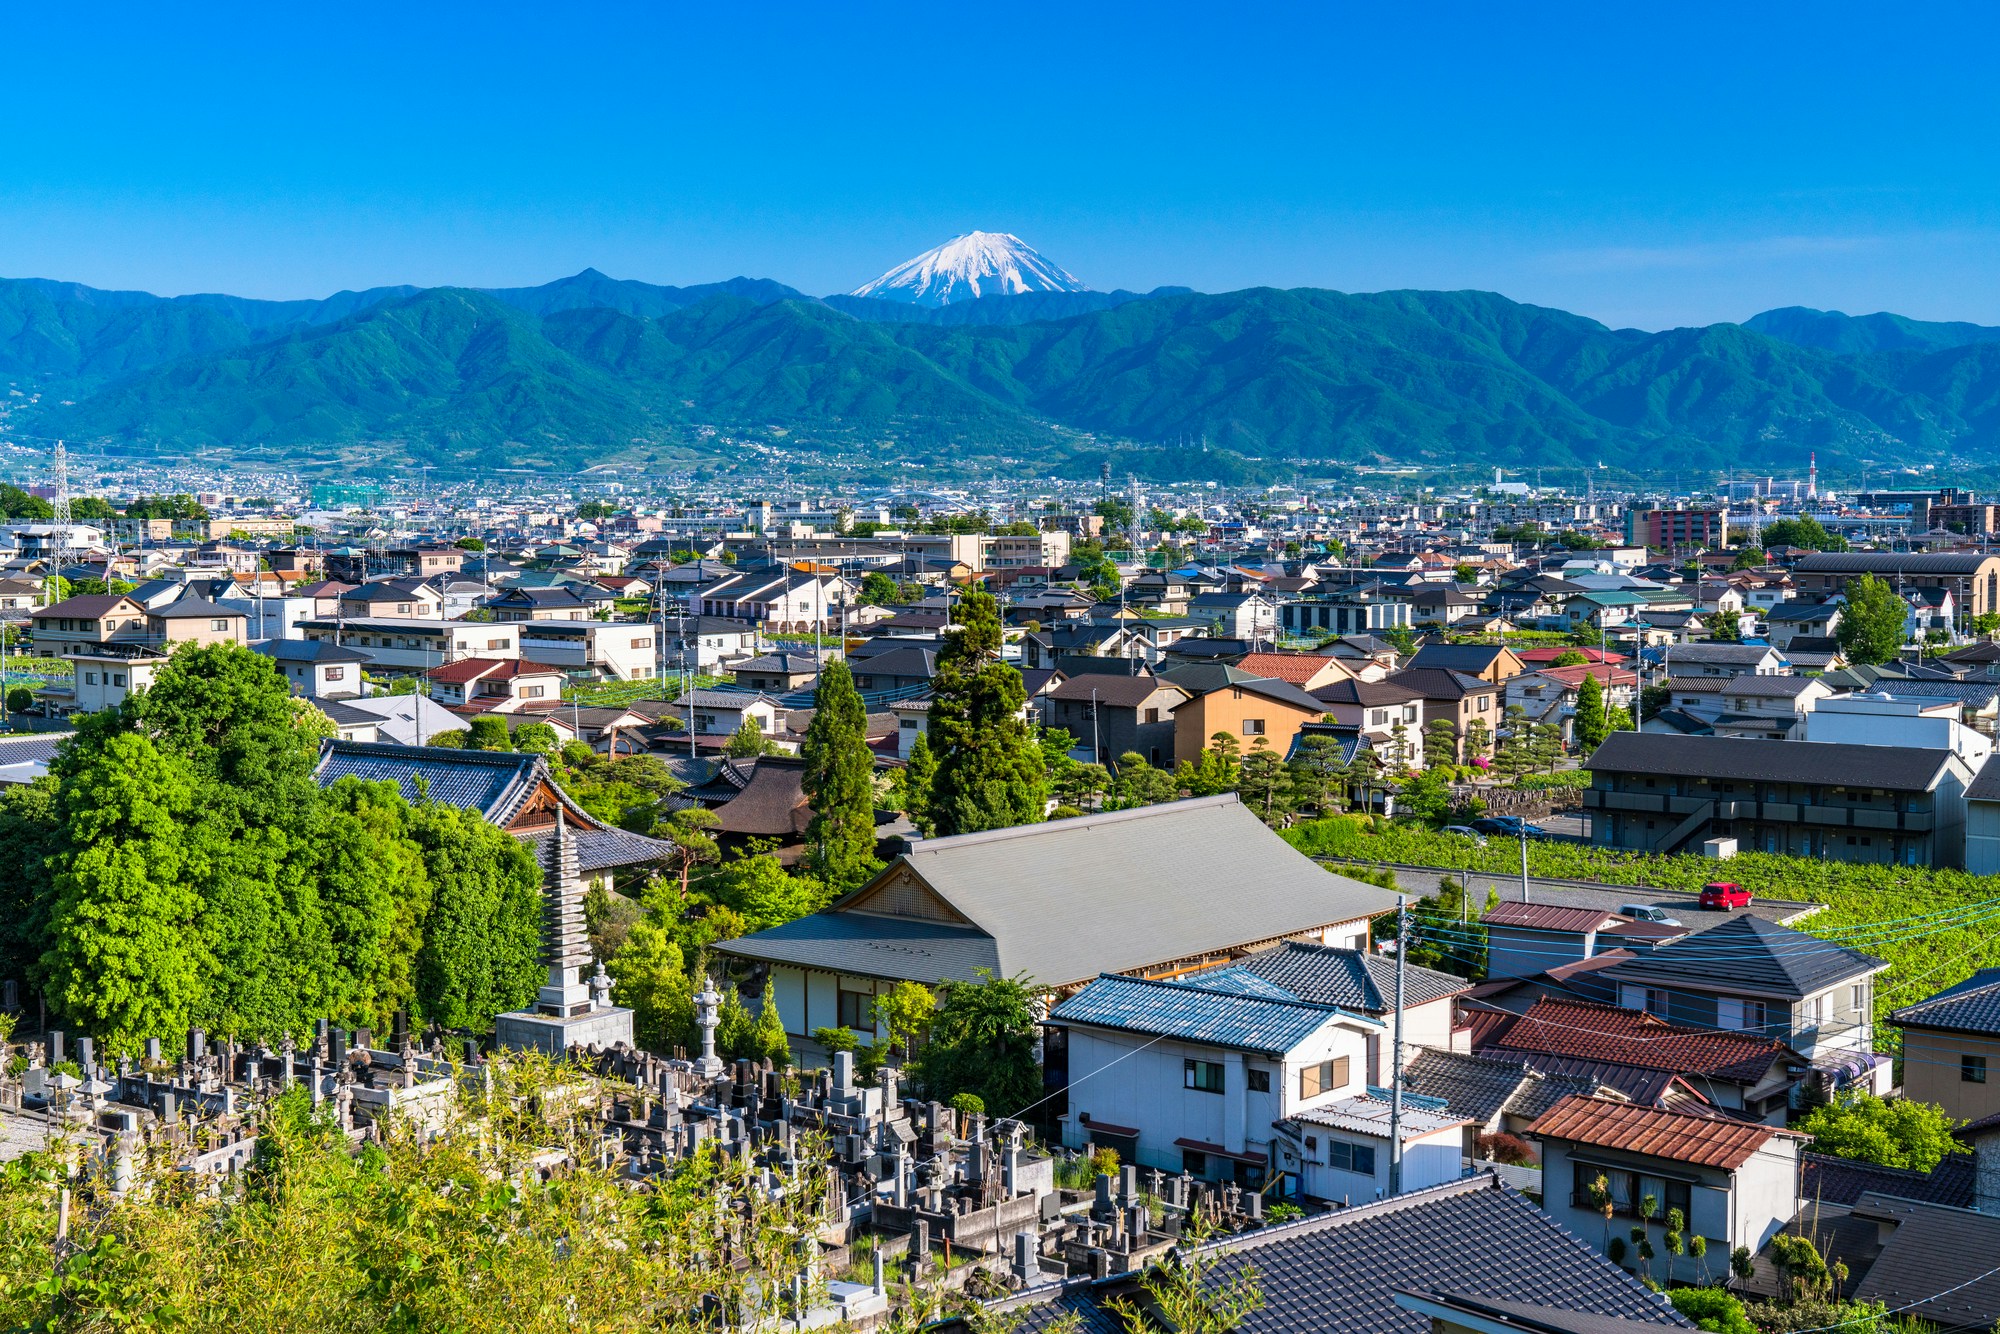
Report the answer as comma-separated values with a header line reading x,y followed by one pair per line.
x,y
591,367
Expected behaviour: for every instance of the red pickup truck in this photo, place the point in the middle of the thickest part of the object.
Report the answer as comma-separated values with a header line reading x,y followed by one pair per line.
x,y
1724,894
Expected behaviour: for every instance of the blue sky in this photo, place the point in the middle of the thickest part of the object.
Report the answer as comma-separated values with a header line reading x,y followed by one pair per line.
x,y
1647,165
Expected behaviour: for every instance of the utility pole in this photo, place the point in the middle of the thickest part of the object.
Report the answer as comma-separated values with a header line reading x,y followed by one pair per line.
x,y
1396,1074
1525,898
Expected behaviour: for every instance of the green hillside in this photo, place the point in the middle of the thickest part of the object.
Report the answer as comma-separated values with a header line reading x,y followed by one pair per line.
x,y
592,366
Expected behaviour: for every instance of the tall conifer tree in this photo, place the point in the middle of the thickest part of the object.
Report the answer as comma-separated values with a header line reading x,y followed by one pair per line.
x,y
839,783
990,773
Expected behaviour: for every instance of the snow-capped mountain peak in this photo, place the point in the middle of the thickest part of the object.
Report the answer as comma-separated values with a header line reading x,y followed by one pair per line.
x,y
970,266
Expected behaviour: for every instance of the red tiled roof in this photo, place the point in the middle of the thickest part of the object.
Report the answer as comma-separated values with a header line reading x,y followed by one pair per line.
x,y
1593,1032
466,670
1298,668
1605,673
1550,917
1550,654
1484,1026
1663,1134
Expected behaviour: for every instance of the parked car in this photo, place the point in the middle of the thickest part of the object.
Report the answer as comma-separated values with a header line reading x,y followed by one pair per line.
x,y
1646,912
1465,831
1534,831
1510,825
1724,894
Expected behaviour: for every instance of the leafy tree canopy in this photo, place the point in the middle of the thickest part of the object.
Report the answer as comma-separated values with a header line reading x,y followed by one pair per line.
x,y
1900,1133
1871,625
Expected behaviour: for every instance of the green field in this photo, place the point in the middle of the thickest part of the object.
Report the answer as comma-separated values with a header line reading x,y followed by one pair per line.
x,y
1932,927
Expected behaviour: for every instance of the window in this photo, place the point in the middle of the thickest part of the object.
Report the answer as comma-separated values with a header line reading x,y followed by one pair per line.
x,y
532,692
1678,1195
1253,727
1351,1157
336,673
856,1011
642,643
1859,1000
1972,1069
1740,1014
1378,718
1258,1080
118,678
1202,1076
1152,715
1194,1163
90,678
497,644
1323,1078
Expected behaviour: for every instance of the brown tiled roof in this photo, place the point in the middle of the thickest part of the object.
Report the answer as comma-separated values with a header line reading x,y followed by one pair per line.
x,y
1594,1032
1663,1134
1298,668
467,670
1550,917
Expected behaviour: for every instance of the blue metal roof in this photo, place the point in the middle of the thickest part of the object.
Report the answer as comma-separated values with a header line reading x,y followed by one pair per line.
x,y
1195,1014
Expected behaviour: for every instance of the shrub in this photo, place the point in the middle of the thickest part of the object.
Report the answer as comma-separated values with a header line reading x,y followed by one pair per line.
x,y
1103,1162
968,1104
1501,1147
835,1039
1712,1309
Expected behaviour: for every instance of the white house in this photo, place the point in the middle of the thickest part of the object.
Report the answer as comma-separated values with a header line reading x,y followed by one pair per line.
x,y
316,669
417,645
1881,719
1734,1182
1196,1075
612,650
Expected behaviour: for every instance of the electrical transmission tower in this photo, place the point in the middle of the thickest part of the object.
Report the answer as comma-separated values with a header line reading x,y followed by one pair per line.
x,y
59,538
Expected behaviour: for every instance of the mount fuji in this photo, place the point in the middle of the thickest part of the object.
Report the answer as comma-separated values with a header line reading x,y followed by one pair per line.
x,y
968,267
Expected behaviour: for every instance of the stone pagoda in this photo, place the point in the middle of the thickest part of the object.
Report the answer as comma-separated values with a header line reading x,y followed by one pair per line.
x,y
569,1011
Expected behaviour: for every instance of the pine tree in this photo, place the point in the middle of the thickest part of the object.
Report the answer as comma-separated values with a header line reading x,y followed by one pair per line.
x,y
839,783
1264,784
990,773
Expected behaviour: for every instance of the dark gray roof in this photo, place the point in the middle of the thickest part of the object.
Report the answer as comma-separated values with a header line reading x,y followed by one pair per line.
x,y
1529,1317
1985,786
1938,1264
606,849
1469,658
1477,1087
1351,979
1973,1006
1744,655
1892,562
872,946
493,783
346,715
192,608
307,650
1829,1180
1192,1013
1753,954
1440,683
32,748
1897,768
1338,1273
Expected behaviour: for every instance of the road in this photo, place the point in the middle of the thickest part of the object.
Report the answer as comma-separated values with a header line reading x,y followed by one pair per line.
x,y
1423,882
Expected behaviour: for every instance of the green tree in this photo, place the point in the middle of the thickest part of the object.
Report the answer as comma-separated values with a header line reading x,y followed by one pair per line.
x,y
877,589
735,1030
1900,1133
482,935
990,773
537,739
31,833
1589,720
1141,784
747,741
1805,532
1871,625
983,1042
767,1034
907,1010
1264,783
919,777
1319,773
1440,743
20,698
1478,739
489,733
759,888
649,976
1216,771
1712,1309
473,544
839,782
1571,657
124,960
1424,796
18,504
375,894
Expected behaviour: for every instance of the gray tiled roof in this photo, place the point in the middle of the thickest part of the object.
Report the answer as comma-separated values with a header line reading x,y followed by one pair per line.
x,y
872,946
1829,1180
607,849
1937,1264
1178,879
1897,768
34,747
1973,1006
1351,979
1751,953
1194,1014
1338,1273
493,783
1479,1087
